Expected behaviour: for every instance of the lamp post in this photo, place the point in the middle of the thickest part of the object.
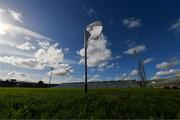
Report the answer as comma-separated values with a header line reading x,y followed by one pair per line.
x,y
86,37
92,32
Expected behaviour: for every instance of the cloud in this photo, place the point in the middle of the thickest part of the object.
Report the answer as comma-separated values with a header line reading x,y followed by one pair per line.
x,y
44,51
110,66
27,38
16,16
105,66
43,54
175,26
134,72
66,50
94,78
21,38
10,28
2,10
11,15
18,75
118,57
167,65
26,46
44,45
167,72
61,70
136,49
148,60
102,65
69,79
123,76
155,77
97,52
51,56
132,23
20,62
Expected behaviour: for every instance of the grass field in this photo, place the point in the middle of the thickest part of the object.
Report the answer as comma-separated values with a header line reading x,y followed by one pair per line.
x,y
29,103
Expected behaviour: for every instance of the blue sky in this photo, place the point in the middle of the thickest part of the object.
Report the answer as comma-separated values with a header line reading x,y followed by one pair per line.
x,y
152,27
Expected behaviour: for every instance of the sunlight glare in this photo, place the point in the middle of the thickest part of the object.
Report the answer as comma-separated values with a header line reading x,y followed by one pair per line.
x,y
4,28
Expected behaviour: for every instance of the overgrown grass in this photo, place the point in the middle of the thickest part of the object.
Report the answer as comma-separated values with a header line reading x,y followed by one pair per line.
x,y
20,103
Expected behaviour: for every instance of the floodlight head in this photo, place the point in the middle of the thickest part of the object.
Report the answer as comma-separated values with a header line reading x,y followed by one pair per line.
x,y
95,29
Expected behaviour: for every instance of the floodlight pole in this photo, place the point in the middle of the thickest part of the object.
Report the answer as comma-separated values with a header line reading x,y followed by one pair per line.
x,y
87,35
85,61
141,70
50,78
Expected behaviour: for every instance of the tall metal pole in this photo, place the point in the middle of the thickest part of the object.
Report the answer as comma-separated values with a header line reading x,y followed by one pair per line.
x,y
85,61
50,78
97,28
141,70
144,74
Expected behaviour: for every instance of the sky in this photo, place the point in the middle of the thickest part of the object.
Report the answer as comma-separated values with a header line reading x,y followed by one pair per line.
x,y
38,37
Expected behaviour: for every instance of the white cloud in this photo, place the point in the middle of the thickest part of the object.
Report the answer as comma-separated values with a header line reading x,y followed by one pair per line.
x,y
118,57
61,70
97,52
2,10
123,76
155,77
43,54
136,49
66,50
102,65
167,72
16,16
148,60
94,78
106,65
26,46
27,38
51,56
69,79
176,26
19,62
23,31
132,23
134,72
18,75
110,66
167,65
44,45
27,49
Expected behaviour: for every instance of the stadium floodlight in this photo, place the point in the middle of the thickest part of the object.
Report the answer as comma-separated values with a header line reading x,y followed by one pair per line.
x,y
92,32
95,30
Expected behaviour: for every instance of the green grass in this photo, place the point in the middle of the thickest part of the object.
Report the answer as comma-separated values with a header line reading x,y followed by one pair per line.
x,y
20,103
